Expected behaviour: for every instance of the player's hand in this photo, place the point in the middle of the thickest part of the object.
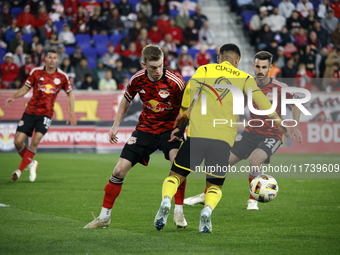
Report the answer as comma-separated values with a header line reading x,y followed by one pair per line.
x,y
10,99
113,135
180,119
173,136
72,120
295,134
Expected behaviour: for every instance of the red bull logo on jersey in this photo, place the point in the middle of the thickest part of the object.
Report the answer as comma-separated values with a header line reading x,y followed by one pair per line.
x,y
163,93
157,106
47,88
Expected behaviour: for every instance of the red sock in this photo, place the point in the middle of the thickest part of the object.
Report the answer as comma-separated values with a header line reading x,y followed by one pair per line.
x,y
26,159
250,178
112,191
22,151
179,196
205,191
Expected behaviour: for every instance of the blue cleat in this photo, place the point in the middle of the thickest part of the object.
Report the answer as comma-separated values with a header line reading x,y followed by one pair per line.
x,y
162,214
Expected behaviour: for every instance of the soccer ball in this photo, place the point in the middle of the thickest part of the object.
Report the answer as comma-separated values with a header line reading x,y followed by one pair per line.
x,y
264,188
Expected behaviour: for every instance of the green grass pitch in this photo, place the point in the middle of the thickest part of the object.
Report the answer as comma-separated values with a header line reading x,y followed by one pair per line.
x,y
48,216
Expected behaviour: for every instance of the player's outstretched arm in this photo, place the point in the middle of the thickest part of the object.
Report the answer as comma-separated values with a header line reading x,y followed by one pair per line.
x,y
295,133
20,93
72,117
122,109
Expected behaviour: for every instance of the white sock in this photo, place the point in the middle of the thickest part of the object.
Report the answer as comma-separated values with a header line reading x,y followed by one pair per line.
x,y
105,213
178,208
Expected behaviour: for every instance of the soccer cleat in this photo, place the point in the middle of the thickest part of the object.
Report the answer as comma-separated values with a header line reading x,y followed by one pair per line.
x,y
198,199
205,221
98,223
179,220
162,214
252,205
16,175
33,170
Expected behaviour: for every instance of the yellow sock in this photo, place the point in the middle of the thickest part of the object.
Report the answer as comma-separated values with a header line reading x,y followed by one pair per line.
x,y
170,186
213,196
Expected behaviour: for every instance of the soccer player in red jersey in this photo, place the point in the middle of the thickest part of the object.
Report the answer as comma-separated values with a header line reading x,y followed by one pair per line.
x,y
161,91
46,82
259,143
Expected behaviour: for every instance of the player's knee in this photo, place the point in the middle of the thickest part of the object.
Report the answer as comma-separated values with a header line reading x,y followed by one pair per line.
x,y
18,143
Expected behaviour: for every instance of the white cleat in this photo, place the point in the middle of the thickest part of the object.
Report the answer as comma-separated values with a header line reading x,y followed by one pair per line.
x,y
162,214
205,220
252,205
16,175
198,199
98,223
179,220
32,168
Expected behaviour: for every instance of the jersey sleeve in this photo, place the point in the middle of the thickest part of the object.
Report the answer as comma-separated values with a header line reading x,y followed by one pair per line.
x,y
30,79
67,85
131,90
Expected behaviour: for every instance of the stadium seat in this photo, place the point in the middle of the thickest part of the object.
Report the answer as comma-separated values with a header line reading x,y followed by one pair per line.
x,y
276,2
100,41
83,40
69,50
91,54
92,64
186,78
2,53
59,25
15,11
115,39
192,52
27,38
133,4
173,13
101,51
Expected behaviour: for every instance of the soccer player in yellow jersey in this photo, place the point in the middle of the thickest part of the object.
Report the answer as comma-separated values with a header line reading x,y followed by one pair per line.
x,y
207,102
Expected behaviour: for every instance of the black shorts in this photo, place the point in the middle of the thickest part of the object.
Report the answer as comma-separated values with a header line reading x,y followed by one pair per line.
x,y
249,142
193,151
141,145
29,122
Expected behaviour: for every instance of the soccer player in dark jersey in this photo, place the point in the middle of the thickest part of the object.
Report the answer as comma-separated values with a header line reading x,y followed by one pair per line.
x,y
161,92
205,100
46,82
259,143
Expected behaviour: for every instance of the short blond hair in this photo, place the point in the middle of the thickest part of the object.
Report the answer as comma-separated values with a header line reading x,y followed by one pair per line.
x,y
152,53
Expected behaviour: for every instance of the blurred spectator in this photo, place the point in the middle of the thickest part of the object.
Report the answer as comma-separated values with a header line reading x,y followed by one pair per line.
x,y
2,44
320,64
123,85
182,18
265,37
275,70
124,8
106,6
207,36
16,3
81,70
5,16
53,42
9,70
26,68
107,83
71,8
163,22
332,60
135,31
276,21
190,34
169,43
285,37
89,84
39,56
301,37
202,57
61,54
303,6
256,24
119,72
199,17
67,36
114,23
244,5
89,6
67,68
17,41
144,20
80,21
272,48
290,69
270,6
335,6
131,58
34,5
314,42
280,59
330,22
335,35
76,56
16,84
154,34
95,23
294,23
46,31
41,17
32,45
309,20
322,34
10,33
57,11
175,31
145,7
186,65
322,9
303,77
160,7
170,61
143,39
110,57
26,21
286,7
19,56
99,71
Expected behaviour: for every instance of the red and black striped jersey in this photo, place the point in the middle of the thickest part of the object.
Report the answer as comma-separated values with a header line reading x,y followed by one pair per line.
x,y
268,129
161,100
45,90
